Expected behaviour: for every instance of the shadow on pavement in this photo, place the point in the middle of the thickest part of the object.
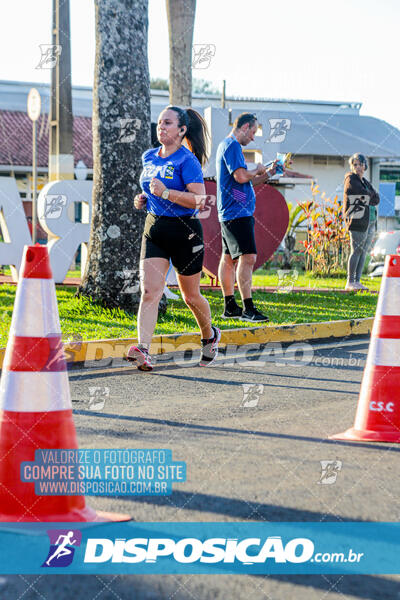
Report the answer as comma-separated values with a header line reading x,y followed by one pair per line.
x,y
226,430
370,587
288,376
269,385
160,372
238,508
201,587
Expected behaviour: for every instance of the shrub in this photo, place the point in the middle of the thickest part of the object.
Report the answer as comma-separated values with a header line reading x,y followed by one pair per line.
x,y
328,244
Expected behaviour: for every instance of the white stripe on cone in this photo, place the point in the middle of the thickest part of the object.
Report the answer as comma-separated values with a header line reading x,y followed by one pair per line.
x,y
389,297
384,352
35,310
21,391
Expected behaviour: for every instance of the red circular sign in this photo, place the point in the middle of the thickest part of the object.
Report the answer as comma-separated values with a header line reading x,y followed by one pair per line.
x,y
271,222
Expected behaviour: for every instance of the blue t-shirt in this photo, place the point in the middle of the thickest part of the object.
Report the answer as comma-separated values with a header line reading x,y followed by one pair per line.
x,y
176,172
234,200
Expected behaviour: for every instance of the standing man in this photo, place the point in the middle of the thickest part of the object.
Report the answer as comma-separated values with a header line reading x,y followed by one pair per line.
x,y
236,203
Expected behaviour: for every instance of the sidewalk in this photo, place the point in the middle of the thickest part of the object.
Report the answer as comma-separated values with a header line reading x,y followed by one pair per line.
x,y
73,281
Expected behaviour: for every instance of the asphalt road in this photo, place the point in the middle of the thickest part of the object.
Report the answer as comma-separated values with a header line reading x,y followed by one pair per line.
x,y
253,431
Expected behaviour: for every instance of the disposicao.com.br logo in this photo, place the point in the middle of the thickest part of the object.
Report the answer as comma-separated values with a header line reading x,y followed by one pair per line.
x,y
62,547
248,551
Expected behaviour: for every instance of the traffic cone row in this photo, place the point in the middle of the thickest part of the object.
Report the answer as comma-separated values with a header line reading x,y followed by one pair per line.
x,y
35,402
378,412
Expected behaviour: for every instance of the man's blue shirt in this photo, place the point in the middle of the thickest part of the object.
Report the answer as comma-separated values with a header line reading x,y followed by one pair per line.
x,y
234,200
176,172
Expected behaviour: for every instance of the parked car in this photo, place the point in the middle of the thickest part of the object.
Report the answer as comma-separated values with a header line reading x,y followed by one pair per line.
x,y
388,242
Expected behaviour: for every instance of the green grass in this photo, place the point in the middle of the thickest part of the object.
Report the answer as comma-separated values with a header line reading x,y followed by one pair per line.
x,y
75,273
80,316
270,279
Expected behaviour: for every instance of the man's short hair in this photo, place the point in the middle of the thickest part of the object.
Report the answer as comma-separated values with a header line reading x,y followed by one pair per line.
x,y
243,119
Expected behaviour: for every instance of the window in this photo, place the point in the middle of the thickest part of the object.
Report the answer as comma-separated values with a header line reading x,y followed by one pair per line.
x,y
249,156
252,156
337,161
320,160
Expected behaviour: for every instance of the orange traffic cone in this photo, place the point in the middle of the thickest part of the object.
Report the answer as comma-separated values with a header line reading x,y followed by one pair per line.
x,y
35,403
378,412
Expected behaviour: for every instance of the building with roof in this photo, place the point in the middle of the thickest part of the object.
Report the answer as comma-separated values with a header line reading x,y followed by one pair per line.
x,y
320,134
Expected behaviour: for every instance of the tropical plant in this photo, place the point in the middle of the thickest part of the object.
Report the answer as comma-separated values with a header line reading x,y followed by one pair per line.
x,y
296,218
327,245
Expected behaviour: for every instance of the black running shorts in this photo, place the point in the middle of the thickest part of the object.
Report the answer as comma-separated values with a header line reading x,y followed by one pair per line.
x,y
238,237
177,238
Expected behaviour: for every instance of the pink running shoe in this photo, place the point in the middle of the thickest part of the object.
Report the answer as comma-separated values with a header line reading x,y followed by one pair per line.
x,y
141,357
209,350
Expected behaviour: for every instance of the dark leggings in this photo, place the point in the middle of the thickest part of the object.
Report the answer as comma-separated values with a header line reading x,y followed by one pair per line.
x,y
360,245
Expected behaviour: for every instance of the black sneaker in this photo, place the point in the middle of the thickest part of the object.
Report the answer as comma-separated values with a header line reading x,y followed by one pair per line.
x,y
209,351
141,357
234,313
254,315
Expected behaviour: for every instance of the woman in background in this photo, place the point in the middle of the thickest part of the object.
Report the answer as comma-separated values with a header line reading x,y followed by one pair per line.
x,y
359,202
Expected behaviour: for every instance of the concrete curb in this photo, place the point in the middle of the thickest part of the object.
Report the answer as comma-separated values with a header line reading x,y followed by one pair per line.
x,y
277,333
103,352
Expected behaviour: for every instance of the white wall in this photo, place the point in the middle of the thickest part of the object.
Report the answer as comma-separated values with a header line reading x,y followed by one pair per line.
x,y
329,179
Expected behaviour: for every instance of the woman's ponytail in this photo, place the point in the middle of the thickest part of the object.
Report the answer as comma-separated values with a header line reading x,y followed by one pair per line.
x,y
197,132
197,135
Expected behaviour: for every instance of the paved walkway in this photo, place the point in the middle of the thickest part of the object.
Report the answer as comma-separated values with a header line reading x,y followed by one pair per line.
x,y
253,432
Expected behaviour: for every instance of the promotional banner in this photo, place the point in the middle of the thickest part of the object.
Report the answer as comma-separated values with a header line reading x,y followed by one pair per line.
x,y
224,548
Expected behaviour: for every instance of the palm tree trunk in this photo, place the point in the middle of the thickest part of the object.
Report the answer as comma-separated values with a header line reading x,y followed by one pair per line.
x,y
121,133
180,15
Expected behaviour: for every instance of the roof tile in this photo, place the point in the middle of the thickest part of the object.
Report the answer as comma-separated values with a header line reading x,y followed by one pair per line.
x,y
16,139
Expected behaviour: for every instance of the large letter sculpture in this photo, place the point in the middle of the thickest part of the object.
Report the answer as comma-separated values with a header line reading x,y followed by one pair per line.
x,y
14,226
56,211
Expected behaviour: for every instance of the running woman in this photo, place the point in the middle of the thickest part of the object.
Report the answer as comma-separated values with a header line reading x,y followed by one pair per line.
x,y
173,188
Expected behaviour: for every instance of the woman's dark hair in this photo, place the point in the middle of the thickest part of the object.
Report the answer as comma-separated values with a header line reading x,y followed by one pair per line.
x,y
196,133
154,139
360,157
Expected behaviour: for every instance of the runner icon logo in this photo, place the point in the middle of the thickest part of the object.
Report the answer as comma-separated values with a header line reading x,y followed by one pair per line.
x,y
202,55
278,130
329,471
54,205
131,280
287,279
128,130
62,547
204,204
251,394
356,206
98,397
50,54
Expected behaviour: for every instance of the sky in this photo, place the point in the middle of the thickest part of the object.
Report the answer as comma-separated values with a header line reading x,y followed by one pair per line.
x,y
343,50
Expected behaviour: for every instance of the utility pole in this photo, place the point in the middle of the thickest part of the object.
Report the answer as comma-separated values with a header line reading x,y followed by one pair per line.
x,y
34,106
61,159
